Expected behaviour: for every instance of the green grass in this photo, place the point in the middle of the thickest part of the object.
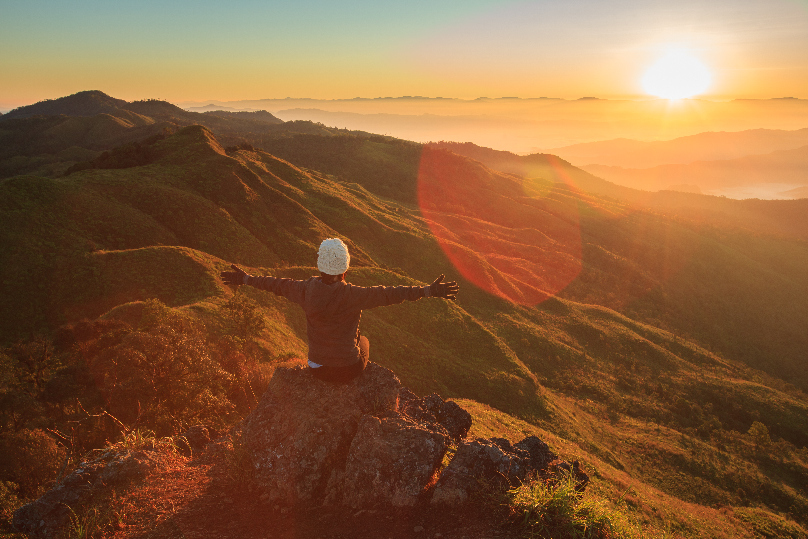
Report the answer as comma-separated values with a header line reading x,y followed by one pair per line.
x,y
551,508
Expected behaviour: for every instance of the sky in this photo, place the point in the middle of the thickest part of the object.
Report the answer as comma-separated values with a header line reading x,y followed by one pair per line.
x,y
243,49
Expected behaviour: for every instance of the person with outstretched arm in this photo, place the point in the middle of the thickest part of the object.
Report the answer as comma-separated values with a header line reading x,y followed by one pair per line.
x,y
333,307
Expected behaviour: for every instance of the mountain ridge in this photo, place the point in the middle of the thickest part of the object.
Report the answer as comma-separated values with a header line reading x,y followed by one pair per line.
x,y
47,138
85,103
784,218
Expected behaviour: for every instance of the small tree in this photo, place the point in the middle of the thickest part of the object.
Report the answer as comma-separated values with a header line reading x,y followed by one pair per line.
x,y
759,434
244,317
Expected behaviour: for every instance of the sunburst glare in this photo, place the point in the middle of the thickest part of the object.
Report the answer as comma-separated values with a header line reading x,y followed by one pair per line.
x,y
677,75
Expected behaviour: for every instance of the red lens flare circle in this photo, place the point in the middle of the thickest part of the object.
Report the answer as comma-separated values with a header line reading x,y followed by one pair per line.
x,y
519,247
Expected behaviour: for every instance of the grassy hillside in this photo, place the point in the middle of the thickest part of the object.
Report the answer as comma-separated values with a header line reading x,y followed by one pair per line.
x,y
695,265
783,218
623,335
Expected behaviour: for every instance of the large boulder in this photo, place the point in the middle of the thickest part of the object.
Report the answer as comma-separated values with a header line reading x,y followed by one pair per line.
x,y
51,512
489,461
304,432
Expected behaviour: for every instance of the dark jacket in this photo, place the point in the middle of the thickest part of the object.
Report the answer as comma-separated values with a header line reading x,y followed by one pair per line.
x,y
333,312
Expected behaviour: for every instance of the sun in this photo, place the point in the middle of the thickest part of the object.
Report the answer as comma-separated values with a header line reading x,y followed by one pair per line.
x,y
677,75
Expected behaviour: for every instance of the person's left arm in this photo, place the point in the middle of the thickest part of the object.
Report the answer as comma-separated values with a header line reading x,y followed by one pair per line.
x,y
379,296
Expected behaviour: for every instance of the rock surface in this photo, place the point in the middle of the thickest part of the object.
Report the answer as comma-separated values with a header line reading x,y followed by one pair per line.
x,y
302,429
493,461
372,442
391,461
50,513
443,416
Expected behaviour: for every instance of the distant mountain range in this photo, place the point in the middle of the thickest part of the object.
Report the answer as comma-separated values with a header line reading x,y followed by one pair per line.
x,y
709,146
94,102
779,167
783,218
536,125
730,163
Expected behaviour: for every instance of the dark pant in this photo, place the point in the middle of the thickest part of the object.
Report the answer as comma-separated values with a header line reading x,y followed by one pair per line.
x,y
343,375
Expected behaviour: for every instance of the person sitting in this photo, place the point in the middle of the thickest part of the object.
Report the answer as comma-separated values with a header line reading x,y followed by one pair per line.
x,y
333,307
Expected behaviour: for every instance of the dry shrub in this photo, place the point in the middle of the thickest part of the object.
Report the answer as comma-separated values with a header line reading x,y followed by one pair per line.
x,y
31,459
9,501
162,375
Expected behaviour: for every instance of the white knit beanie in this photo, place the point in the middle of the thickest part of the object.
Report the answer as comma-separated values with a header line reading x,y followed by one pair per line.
x,y
333,258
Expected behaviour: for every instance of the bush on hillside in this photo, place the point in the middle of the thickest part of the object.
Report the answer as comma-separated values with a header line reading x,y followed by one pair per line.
x,y
162,375
31,459
553,507
25,368
9,502
244,317
759,435
97,379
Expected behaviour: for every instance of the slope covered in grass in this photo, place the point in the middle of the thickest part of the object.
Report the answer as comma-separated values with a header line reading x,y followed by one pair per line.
x,y
713,270
781,218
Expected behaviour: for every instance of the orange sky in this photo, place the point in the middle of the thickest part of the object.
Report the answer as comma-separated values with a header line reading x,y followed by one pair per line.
x,y
184,51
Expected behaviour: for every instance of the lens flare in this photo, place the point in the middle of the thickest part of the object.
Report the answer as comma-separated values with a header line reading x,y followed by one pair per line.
x,y
677,75
500,235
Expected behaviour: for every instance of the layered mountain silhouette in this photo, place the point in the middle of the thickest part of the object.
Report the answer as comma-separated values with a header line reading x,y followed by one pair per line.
x,y
709,146
704,162
779,167
94,102
644,332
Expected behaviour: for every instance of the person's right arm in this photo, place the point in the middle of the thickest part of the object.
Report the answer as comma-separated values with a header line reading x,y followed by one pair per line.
x,y
291,289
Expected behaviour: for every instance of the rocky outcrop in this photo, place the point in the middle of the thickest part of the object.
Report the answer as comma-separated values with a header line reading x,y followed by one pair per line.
x,y
354,444
302,429
372,442
50,513
495,461
439,415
